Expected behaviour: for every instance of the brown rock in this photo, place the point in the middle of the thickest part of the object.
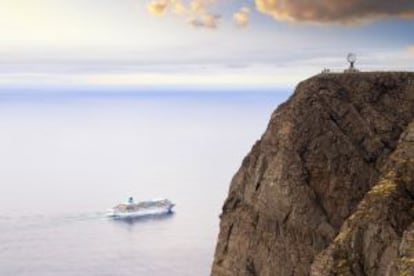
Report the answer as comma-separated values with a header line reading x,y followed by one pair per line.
x,y
321,153
369,242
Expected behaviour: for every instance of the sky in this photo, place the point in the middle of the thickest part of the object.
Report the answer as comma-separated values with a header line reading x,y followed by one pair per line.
x,y
196,43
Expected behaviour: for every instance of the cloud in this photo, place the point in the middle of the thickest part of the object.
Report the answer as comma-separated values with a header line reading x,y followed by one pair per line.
x,y
208,21
195,11
335,11
241,17
158,7
178,7
410,50
197,6
199,12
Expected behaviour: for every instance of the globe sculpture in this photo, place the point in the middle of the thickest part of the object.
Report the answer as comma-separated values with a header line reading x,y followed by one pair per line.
x,y
352,58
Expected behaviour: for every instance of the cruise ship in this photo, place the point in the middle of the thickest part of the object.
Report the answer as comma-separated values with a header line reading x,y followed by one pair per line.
x,y
143,208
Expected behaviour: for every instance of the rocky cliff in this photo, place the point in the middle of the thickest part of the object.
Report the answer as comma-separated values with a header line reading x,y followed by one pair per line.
x,y
328,189
377,239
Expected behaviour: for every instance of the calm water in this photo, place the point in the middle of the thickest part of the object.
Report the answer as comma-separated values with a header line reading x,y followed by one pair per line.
x,y
65,159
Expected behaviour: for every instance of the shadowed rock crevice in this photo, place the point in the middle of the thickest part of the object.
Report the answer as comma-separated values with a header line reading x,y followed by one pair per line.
x,y
322,152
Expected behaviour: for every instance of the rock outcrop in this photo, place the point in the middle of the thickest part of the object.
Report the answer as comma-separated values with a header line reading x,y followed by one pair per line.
x,y
306,192
372,240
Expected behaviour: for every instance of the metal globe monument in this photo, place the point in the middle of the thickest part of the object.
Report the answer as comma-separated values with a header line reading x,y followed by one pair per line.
x,y
351,58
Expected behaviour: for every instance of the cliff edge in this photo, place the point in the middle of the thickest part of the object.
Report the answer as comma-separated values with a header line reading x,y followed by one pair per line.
x,y
299,202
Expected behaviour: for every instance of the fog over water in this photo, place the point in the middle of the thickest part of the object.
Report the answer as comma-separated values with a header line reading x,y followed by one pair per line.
x,y
65,159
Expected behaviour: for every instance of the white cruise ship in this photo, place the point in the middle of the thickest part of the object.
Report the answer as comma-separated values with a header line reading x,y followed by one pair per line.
x,y
143,208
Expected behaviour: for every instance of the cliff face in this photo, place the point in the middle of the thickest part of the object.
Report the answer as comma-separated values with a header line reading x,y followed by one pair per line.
x,y
301,189
371,241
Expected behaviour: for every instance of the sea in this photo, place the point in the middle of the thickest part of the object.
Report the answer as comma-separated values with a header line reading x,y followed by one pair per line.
x,y
68,156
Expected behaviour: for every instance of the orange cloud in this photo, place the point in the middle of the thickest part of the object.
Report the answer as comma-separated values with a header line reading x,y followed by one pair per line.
x,y
157,7
160,7
196,11
241,17
335,11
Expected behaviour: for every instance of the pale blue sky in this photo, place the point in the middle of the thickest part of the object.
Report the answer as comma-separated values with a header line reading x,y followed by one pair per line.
x,y
77,43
